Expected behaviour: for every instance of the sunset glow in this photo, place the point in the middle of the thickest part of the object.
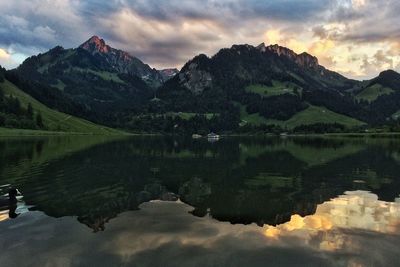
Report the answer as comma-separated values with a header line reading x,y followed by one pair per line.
x,y
353,210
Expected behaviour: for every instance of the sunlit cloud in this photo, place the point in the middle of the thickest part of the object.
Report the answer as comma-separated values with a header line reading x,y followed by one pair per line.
x,y
4,54
273,37
8,60
358,3
354,210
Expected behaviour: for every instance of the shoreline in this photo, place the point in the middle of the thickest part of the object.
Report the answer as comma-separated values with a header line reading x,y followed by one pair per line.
x,y
12,132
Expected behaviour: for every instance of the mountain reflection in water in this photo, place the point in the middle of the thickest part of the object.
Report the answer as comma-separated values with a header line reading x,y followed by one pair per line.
x,y
155,201
350,230
238,180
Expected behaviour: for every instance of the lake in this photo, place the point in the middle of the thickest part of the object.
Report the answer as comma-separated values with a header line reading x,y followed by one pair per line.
x,y
166,201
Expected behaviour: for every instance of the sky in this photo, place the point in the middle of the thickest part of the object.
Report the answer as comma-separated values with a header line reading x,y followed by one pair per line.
x,y
357,38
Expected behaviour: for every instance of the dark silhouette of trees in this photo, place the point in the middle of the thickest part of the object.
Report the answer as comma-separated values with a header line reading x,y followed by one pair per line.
x,y
39,120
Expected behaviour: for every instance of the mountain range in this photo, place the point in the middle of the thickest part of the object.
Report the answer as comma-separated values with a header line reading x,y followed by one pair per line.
x,y
243,88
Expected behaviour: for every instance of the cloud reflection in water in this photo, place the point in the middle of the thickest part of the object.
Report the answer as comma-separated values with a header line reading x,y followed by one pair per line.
x,y
355,229
356,225
354,210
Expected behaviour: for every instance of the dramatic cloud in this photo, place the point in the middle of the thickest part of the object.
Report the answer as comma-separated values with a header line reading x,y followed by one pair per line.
x,y
355,37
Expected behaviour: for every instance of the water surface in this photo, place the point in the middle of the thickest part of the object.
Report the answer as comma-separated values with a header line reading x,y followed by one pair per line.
x,y
151,201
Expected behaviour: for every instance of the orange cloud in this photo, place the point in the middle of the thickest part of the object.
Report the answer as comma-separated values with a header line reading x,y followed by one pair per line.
x,y
4,54
358,3
353,210
321,47
394,49
273,36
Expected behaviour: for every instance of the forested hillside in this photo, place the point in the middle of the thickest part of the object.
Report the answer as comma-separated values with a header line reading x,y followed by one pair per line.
x,y
19,110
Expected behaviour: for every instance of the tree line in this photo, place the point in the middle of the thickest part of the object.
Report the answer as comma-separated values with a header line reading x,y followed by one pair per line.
x,y
14,115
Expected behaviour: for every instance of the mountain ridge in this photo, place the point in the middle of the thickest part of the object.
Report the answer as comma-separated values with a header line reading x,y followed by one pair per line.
x,y
196,72
273,82
270,82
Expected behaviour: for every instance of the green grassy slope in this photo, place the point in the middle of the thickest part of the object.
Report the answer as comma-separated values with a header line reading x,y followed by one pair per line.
x,y
278,88
105,75
189,115
252,119
371,93
53,120
314,114
311,115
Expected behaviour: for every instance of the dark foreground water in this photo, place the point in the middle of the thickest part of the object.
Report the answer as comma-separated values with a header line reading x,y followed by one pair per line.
x,y
96,201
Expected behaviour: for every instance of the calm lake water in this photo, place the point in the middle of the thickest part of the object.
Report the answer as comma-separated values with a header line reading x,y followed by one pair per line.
x,y
152,201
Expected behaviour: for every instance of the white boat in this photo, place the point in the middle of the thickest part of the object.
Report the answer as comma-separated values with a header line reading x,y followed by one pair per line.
x,y
212,136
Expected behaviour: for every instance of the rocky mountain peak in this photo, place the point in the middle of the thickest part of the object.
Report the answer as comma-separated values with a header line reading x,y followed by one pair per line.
x,y
95,44
121,61
304,59
281,50
194,77
261,47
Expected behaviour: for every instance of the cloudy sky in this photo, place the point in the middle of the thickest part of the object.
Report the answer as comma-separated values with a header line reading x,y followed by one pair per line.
x,y
358,38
